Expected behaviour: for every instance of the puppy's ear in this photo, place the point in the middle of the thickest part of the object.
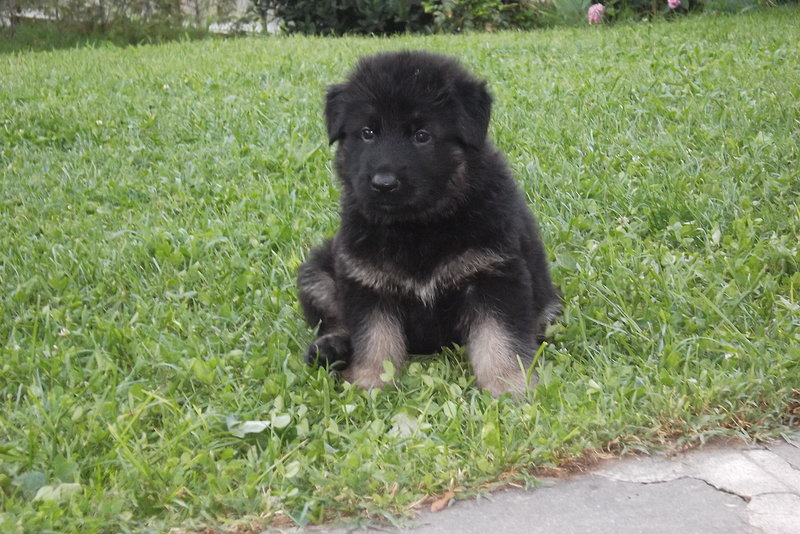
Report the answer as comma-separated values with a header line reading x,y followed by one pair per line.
x,y
476,108
335,112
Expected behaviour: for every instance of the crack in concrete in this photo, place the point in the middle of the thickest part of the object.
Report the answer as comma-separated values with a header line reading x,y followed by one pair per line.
x,y
745,498
750,509
790,464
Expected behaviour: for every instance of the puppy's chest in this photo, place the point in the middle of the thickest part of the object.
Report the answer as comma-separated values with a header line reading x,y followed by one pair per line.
x,y
425,277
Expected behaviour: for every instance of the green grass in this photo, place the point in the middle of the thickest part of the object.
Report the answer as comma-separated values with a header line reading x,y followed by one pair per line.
x,y
157,200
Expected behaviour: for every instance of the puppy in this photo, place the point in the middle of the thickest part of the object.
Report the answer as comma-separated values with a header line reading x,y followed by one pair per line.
x,y
436,244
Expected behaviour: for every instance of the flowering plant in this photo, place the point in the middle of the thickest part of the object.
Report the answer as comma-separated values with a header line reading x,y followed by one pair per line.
x,y
596,12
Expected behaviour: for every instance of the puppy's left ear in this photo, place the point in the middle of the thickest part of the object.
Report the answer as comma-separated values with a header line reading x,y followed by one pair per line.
x,y
473,118
335,112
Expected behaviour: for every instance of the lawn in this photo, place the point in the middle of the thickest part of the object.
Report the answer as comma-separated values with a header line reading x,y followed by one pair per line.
x,y
157,200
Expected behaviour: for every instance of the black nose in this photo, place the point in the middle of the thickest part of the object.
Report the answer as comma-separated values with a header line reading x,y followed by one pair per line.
x,y
384,182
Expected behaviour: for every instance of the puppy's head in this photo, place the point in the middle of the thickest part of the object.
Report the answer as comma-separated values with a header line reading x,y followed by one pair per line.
x,y
405,122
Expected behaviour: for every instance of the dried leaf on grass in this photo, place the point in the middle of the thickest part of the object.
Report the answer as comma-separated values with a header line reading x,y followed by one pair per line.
x,y
440,503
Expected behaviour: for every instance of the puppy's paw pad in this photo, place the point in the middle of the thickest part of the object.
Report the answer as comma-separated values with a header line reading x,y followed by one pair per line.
x,y
330,351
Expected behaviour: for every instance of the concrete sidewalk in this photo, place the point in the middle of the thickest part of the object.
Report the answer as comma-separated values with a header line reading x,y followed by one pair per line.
x,y
725,489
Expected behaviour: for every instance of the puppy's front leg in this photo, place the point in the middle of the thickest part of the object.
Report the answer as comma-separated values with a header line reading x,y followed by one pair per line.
x,y
499,324
498,360
376,336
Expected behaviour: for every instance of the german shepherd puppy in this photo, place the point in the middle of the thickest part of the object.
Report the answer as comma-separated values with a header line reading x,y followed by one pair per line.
x,y
436,244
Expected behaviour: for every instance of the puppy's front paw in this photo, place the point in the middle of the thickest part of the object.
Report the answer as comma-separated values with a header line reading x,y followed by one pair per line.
x,y
364,376
331,351
514,382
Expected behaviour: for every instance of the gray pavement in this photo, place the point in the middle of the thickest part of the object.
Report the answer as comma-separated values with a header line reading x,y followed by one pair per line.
x,y
727,489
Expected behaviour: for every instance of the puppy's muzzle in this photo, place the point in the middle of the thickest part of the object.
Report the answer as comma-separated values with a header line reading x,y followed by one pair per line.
x,y
384,182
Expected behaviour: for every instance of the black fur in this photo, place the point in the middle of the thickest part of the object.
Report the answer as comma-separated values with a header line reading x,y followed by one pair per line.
x,y
436,244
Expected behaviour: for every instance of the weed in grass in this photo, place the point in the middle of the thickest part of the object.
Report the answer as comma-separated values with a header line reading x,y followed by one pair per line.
x,y
156,202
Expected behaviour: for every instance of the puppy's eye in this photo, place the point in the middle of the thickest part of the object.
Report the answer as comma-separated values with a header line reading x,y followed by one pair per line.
x,y
367,134
421,137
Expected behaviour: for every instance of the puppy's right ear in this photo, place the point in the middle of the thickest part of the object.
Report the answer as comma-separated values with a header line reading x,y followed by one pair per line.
x,y
335,112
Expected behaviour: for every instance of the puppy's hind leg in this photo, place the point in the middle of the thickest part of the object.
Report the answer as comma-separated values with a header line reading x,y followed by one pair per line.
x,y
319,300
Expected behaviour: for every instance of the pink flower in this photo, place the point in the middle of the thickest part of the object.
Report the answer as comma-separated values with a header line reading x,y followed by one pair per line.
x,y
596,12
673,3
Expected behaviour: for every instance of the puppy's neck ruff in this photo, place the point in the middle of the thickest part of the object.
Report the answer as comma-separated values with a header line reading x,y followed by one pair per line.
x,y
449,273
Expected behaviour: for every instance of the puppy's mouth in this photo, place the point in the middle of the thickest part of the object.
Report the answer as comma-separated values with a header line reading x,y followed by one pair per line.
x,y
389,203
383,206
402,202
406,209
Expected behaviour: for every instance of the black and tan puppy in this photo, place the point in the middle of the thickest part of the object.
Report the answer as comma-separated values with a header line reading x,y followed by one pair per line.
x,y
436,244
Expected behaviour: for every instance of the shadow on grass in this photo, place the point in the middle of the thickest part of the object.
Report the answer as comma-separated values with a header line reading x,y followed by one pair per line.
x,y
31,36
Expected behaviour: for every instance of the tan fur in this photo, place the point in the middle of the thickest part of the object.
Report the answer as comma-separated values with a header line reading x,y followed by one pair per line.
x,y
321,290
447,274
493,358
381,339
551,312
